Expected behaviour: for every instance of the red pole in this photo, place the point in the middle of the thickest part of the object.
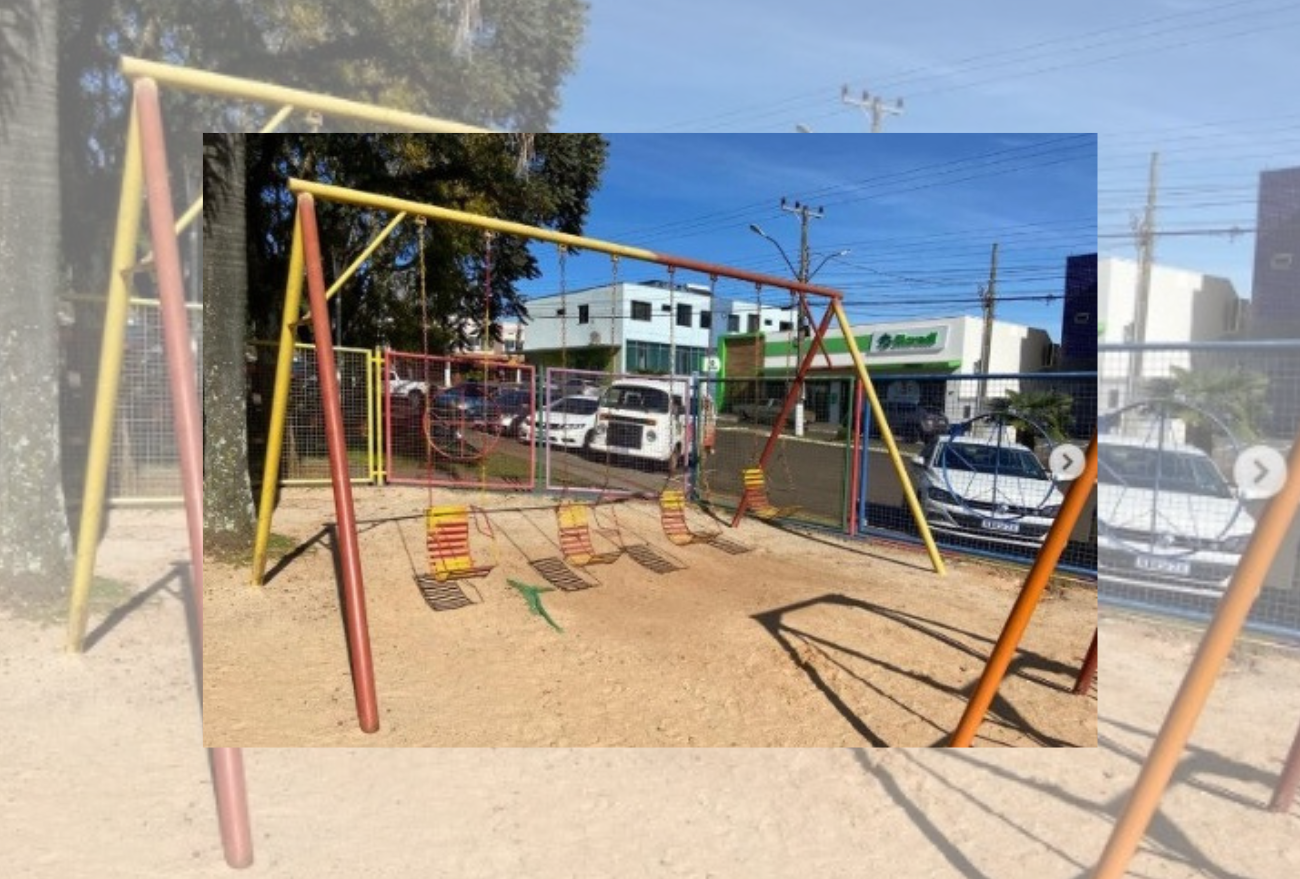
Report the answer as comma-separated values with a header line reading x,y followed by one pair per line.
x,y
1089,670
790,398
227,763
1284,796
354,593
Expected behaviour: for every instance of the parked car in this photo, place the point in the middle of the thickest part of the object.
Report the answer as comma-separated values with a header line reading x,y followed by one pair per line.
x,y
1166,515
986,488
510,407
570,423
466,401
767,412
910,422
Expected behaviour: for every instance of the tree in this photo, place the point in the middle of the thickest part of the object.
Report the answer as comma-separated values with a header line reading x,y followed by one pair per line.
x,y
1236,397
1033,411
227,501
34,537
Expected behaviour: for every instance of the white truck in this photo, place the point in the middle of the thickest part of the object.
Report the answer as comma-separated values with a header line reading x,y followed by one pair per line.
x,y
643,418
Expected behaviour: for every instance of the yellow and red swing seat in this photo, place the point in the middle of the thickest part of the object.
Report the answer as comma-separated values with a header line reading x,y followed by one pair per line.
x,y
672,516
756,500
575,537
447,539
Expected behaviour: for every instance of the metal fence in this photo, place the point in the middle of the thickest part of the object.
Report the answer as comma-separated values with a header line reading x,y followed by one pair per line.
x,y
304,457
606,432
454,421
1190,437
808,471
144,468
978,453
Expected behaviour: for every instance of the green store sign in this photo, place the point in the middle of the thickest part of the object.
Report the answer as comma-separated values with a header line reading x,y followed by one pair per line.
x,y
890,342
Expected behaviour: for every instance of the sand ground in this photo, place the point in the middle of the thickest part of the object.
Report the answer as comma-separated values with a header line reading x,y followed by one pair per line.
x,y
805,641
104,777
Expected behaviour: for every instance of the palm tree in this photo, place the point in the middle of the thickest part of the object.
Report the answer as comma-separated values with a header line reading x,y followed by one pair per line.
x,y
1032,411
1203,398
34,539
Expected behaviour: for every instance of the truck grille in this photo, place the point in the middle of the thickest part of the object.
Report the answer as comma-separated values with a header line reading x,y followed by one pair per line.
x,y
624,435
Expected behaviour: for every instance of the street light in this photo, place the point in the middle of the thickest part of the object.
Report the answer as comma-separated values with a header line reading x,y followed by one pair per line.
x,y
827,258
757,230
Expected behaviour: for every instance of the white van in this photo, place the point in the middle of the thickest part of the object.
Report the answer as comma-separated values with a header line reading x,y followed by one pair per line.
x,y
643,418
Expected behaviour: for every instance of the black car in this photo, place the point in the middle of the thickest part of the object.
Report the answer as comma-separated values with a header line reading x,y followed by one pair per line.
x,y
911,422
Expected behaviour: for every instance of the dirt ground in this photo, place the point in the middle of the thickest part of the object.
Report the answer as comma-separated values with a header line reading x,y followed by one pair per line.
x,y
805,641
105,776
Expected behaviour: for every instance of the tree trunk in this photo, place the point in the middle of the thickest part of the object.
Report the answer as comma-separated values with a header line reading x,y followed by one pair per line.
x,y
34,539
228,517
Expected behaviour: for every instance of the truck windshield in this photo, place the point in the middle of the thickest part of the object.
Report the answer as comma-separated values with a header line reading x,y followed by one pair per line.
x,y
637,398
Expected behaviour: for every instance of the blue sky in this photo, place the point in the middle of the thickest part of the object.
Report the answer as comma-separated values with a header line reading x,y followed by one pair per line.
x,y
1209,84
918,213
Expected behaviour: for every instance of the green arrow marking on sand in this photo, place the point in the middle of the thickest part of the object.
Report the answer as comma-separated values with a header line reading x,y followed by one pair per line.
x,y
533,595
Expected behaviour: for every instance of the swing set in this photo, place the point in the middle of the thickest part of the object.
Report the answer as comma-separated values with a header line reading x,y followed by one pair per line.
x,y
448,527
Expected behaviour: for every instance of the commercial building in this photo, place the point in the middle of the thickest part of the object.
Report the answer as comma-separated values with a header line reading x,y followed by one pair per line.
x,y
629,327
908,360
1275,297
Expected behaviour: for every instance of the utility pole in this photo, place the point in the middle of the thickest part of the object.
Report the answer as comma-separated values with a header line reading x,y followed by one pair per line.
x,y
1145,231
805,214
873,106
986,344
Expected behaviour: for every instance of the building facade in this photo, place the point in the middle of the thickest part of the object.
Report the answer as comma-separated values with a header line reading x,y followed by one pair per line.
x,y
627,327
1079,320
1275,299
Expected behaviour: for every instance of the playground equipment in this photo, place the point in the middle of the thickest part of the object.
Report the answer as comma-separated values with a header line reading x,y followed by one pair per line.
x,y
1205,668
305,249
575,537
144,169
755,500
672,516
1035,583
447,540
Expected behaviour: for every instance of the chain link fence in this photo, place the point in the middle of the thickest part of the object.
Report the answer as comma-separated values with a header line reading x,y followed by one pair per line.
x,y
304,455
807,473
455,421
1191,437
978,454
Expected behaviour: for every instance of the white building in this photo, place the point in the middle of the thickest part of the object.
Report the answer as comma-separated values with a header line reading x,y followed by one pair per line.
x,y
628,327
1183,306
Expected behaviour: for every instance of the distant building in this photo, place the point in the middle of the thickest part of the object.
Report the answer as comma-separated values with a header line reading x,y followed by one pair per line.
x,y
1183,306
1275,300
1079,320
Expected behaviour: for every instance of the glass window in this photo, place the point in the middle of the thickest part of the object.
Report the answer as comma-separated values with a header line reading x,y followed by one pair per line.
x,y
706,320
584,314
733,323
753,323
640,310
683,315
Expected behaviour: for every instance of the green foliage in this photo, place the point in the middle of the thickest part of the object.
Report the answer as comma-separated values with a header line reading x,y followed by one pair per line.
x,y
382,304
1050,410
1237,397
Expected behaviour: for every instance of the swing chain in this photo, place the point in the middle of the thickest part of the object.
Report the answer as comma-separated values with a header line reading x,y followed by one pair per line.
x,y
564,307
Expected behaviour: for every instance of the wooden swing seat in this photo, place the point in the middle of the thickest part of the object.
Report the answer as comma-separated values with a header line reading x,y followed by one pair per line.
x,y
756,500
575,537
448,543
672,516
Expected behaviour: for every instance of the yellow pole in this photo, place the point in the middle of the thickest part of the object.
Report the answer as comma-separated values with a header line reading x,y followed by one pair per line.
x,y
279,404
251,90
909,493
126,238
356,263
345,195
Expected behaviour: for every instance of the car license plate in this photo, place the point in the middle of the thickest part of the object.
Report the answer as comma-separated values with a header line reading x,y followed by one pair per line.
x,y
1000,525
1163,565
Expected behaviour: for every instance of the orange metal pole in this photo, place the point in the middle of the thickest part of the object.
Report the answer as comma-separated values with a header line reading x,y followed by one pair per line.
x,y
227,763
790,398
354,593
1035,582
1084,682
1284,795
1202,674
